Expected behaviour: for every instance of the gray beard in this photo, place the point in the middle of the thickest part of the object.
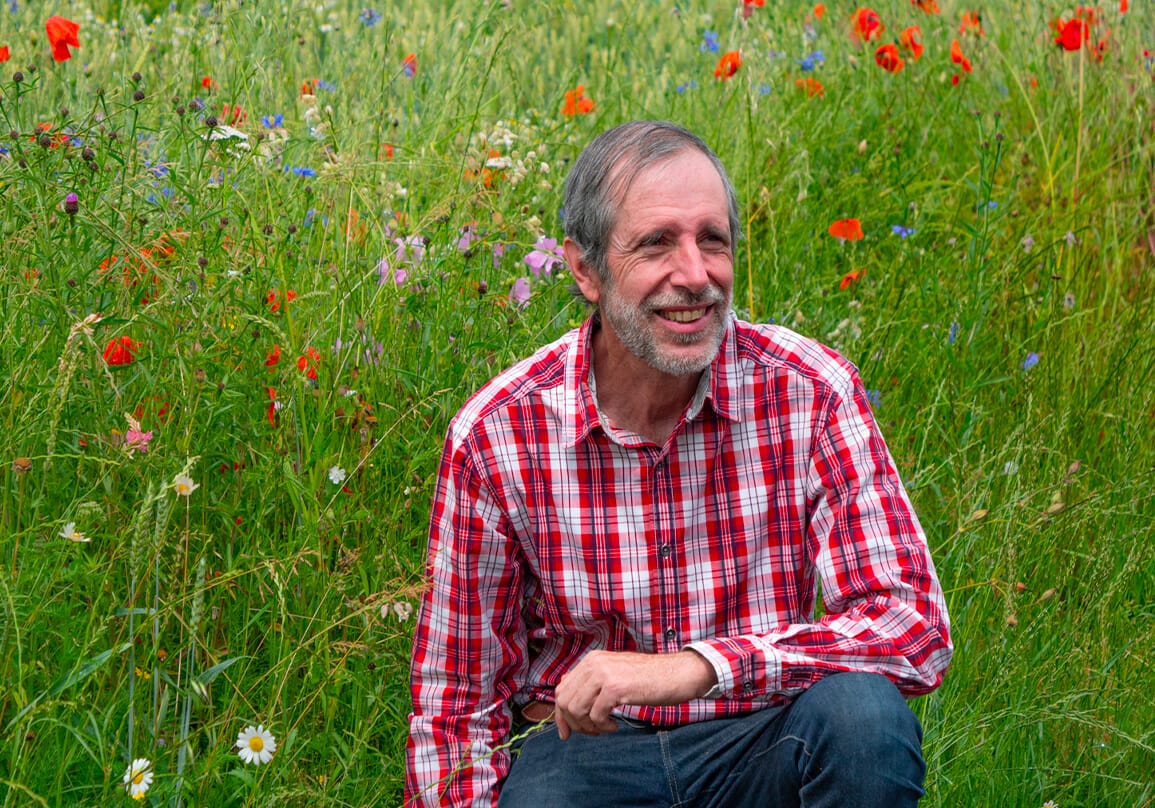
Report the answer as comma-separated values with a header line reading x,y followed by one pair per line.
x,y
632,326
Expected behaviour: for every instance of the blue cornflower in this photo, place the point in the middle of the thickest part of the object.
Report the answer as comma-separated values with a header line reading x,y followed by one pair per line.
x,y
900,231
321,84
370,16
311,215
875,399
764,89
1030,361
300,171
687,85
710,42
810,62
273,121
952,335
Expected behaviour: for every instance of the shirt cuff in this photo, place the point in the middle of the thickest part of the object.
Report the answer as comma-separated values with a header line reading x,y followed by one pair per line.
x,y
743,667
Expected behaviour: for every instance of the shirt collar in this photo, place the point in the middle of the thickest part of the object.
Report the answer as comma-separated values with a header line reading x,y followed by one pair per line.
x,y
720,384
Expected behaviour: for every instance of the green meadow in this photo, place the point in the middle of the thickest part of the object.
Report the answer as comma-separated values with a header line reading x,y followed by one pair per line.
x,y
254,256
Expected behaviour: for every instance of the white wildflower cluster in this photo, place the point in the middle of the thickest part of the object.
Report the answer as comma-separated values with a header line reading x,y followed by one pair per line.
x,y
314,119
502,137
499,147
272,144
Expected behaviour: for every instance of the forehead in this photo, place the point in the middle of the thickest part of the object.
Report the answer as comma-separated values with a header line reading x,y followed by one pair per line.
x,y
680,184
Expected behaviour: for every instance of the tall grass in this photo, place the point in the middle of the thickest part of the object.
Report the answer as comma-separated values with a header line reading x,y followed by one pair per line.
x,y
1007,342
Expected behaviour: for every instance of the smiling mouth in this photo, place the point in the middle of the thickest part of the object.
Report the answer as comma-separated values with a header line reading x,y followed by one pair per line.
x,y
687,316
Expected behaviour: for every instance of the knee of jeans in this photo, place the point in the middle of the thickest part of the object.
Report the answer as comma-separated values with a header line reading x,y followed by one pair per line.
x,y
865,707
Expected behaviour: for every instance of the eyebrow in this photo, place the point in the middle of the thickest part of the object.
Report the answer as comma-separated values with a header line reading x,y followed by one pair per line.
x,y
657,234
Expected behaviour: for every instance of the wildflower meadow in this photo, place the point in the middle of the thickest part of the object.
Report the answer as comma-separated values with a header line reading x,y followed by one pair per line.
x,y
255,255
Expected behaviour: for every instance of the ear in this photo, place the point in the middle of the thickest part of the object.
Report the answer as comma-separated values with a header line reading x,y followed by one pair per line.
x,y
584,275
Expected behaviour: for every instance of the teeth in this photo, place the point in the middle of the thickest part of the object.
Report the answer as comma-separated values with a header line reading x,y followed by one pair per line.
x,y
684,316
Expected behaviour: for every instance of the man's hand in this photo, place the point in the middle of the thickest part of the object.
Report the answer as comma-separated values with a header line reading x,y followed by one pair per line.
x,y
604,680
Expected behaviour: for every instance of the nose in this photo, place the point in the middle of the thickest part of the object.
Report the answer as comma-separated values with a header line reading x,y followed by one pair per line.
x,y
690,267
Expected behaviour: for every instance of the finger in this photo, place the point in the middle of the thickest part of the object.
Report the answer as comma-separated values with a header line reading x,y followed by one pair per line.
x,y
602,709
563,728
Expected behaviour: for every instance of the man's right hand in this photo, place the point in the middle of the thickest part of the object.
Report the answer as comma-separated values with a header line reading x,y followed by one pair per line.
x,y
605,680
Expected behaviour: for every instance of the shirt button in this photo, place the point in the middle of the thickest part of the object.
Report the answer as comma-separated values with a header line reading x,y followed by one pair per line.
x,y
665,551
671,634
747,686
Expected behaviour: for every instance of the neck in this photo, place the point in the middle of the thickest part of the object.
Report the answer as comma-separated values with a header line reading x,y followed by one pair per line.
x,y
635,396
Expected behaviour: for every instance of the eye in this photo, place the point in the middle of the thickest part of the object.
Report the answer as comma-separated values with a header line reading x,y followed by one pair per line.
x,y
717,240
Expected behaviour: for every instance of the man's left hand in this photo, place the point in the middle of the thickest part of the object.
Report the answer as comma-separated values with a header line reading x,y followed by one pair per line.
x,y
603,680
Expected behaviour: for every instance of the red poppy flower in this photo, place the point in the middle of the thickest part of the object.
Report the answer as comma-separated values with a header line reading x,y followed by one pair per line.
x,y
910,40
409,65
867,24
234,115
971,23
61,34
929,6
1122,6
271,411
274,302
120,350
5,54
888,59
208,83
819,10
307,364
728,65
846,229
576,103
812,87
273,357
956,56
1072,34
758,3
851,278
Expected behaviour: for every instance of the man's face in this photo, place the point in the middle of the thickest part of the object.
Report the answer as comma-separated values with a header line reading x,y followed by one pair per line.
x,y
671,266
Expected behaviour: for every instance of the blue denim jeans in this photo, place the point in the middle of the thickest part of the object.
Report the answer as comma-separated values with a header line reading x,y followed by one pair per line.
x,y
849,740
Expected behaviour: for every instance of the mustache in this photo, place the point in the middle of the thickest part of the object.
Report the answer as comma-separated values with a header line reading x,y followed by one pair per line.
x,y
711,295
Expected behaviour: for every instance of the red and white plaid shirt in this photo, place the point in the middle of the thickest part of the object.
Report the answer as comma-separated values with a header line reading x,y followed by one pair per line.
x,y
554,533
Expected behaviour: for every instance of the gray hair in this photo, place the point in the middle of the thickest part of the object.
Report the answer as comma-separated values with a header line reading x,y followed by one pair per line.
x,y
608,166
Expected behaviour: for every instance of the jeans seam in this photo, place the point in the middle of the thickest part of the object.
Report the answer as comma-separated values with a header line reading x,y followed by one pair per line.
x,y
668,765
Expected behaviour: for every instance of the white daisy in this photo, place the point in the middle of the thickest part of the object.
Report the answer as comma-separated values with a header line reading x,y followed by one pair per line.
x,y
256,744
184,485
337,475
72,534
138,778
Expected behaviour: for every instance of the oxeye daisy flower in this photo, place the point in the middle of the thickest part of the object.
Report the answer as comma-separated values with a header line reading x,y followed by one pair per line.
x,y
138,778
184,485
256,744
72,534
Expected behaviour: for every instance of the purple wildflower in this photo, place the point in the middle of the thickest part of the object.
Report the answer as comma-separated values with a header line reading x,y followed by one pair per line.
x,y
545,255
468,236
410,250
519,293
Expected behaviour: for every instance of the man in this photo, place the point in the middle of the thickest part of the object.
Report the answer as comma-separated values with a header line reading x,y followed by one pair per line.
x,y
630,526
